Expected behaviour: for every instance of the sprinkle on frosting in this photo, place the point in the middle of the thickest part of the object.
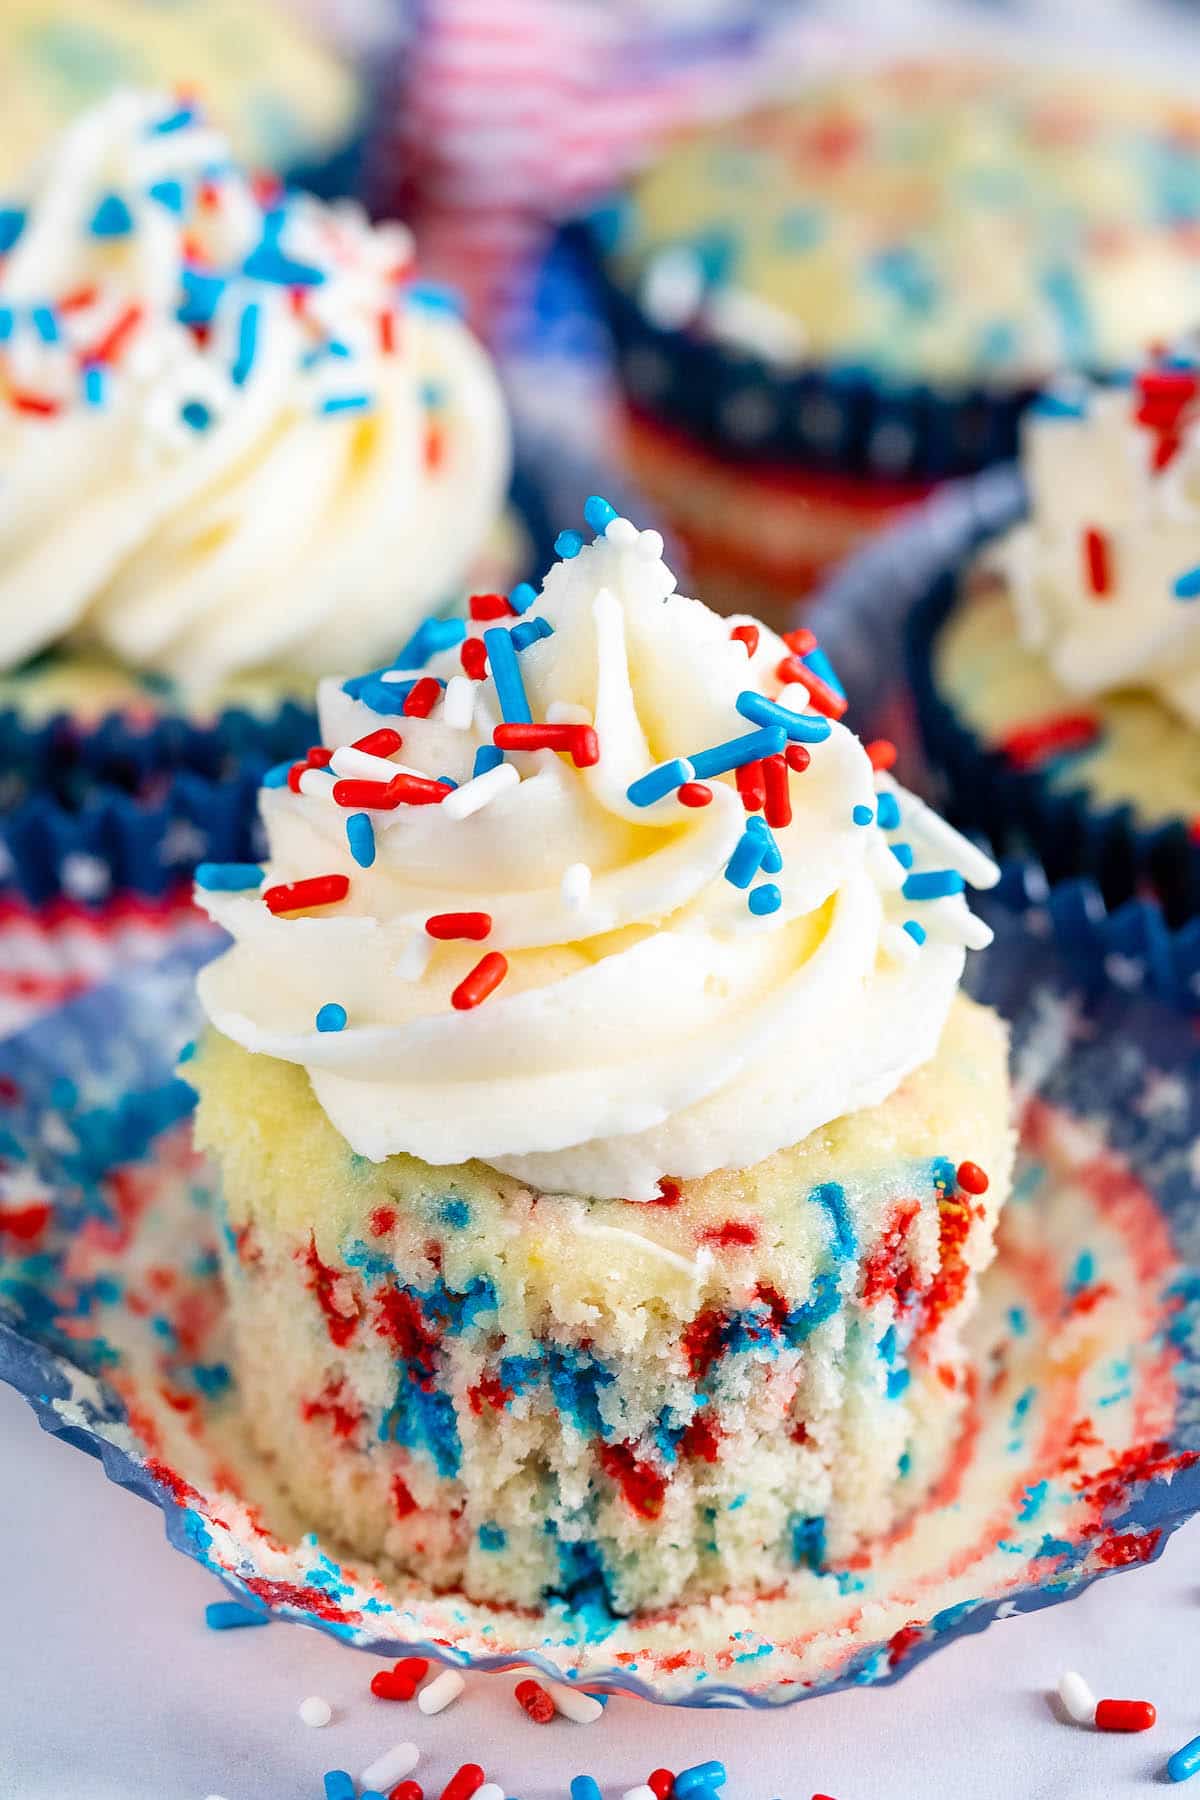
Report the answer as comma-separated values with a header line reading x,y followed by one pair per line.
x,y
659,891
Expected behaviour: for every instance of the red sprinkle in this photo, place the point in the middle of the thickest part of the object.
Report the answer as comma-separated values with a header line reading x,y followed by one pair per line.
x,y
971,1178
319,757
751,785
822,698
403,788
106,348
465,1782
881,753
797,757
77,298
483,980
800,641
779,799
661,1783
38,404
748,635
669,1192
421,698
693,793
490,606
1095,557
1124,1715
294,774
1031,745
318,890
472,654
408,1789
384,742
387,332
580,740
413,1668
475,925
534,1700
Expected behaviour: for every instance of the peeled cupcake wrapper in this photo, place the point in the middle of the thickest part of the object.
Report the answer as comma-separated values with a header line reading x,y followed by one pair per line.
x,y
842,418
1085,872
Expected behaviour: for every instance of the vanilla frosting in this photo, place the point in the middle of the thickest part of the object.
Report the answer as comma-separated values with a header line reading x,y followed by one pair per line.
x,y
656,1020
234,432
1099,570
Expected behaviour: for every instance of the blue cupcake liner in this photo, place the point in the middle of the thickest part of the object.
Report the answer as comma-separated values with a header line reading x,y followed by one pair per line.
x,y
1085,872
844,419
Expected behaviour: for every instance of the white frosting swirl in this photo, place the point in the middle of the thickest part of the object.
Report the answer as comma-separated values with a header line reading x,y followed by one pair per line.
x,y
649,1024
1099,488
291,454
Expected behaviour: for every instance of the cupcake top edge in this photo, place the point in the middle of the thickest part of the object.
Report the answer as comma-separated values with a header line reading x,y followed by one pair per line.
x,y
952,222
596,887
236,431
1104,573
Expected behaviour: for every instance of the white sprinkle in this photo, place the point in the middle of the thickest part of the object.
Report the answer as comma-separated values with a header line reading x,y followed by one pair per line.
x,y
650,545
1077,1697
565,712
899,944
440,1693
413,960
396,676
391,1767
317,784
360,765
950,921
672,287
637,1793
315,1712
794,695
576,886
580,1708
922,823
481,789
621,532
458,709
886,869
490,1790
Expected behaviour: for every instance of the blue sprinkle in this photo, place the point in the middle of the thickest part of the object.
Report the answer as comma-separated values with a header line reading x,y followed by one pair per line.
x,y
231,1615
862,815
583,1787
823,669
598,513
188,1051
506,673
706,1774
765,899
278,776
201,294
522,596
247,343
267,262
916,932
95,384
169,194
196,414
488,756
1187,585
802,728
174,121
888,811
431,636
12,223
492,1537
112,218
228,878
455,1213
933,884
568,544
1058,406
430,296
746,860
446,781
346,403
772,860
897,1383
1185,1762
903,854
338,1785
529,631
657,782
331,1017
6,323
738,751
45,324
360,835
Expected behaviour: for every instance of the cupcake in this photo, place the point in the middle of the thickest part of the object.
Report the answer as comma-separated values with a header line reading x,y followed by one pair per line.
x,y
289,102
240,443
608,1153
824,308
1059,678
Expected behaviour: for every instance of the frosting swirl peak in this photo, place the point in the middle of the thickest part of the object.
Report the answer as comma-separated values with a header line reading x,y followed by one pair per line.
x,y
591,965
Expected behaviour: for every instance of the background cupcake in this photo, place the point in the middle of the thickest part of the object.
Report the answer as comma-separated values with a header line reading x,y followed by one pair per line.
x,y
822,308
1058,681
241,445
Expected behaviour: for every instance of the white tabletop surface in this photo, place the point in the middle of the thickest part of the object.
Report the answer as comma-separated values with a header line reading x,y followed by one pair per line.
x,y
112,1687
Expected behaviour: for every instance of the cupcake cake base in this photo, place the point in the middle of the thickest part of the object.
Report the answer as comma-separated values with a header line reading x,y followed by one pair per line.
x,y
531,1397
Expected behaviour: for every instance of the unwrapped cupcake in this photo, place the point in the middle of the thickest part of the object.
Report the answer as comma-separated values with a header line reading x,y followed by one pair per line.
x,y
608,1152
1058,678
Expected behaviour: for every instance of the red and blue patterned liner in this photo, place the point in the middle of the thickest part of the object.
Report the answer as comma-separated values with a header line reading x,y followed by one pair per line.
x,y
1114,893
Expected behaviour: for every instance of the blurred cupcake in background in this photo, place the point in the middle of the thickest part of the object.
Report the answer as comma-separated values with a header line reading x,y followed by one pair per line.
x,y
240,446
1058,680
824,308
288,101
